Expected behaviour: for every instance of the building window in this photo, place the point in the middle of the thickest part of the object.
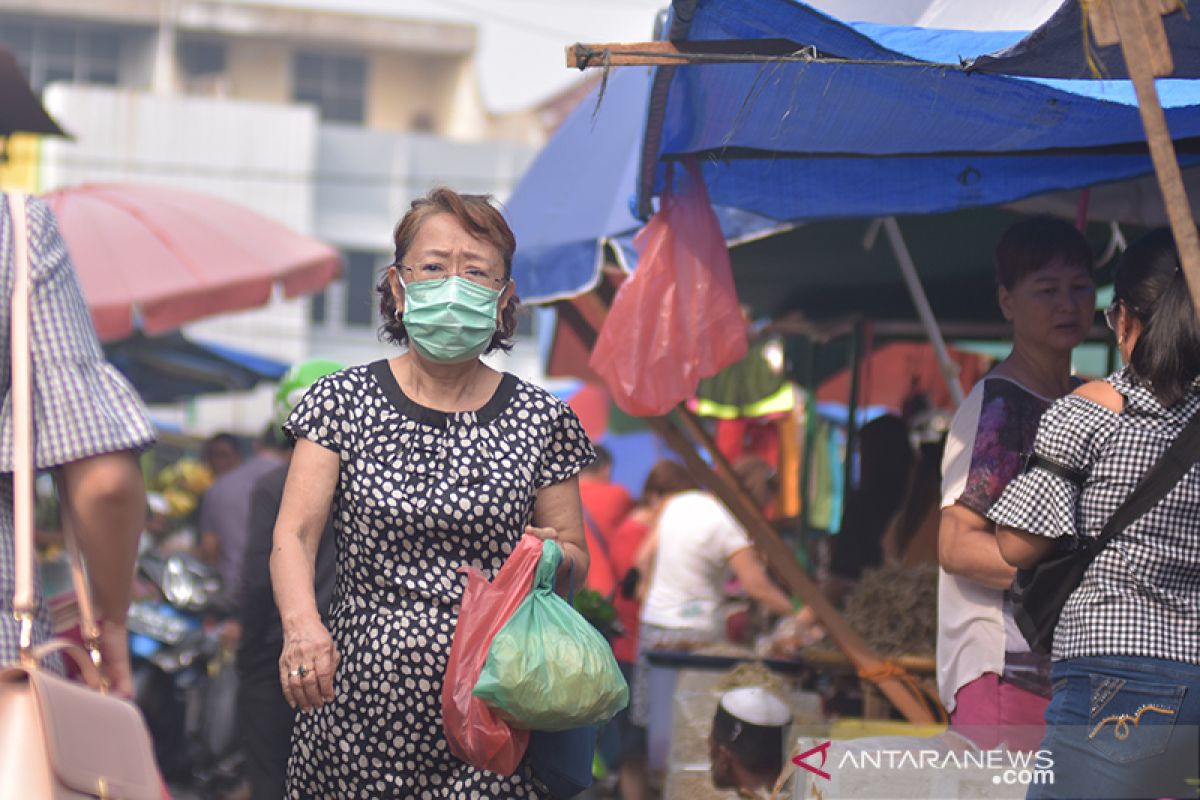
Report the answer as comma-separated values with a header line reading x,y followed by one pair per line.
x,y
335,84
422,122
524,322
17,36
55,51
350,303
360,288
316,308
202,59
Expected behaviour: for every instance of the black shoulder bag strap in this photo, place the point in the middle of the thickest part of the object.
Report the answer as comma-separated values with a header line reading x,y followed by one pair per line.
x,y
1039,594
1156,484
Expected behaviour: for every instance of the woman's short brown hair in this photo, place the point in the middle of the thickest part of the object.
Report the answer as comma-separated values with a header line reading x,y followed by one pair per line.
x,y
482,220
666,478
1033,244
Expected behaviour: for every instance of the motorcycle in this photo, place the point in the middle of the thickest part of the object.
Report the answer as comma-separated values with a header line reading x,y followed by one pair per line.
x,y
184,682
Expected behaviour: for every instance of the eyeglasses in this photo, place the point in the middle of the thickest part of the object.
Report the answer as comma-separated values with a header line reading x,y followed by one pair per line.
x,y
434,270
1110,314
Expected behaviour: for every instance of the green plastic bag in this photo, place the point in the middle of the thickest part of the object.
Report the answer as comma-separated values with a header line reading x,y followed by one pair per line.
x,y
548,669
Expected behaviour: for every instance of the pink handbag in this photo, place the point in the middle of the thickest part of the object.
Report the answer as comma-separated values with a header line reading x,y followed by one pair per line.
x,y
59,740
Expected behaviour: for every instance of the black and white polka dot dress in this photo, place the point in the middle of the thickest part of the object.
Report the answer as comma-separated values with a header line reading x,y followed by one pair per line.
x,y
421,493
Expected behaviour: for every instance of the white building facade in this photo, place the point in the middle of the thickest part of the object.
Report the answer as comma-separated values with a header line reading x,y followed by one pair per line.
x,y
329,123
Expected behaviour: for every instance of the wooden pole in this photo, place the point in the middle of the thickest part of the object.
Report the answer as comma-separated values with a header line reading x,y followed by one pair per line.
x,y
1137,25
721,480
715,51
896,684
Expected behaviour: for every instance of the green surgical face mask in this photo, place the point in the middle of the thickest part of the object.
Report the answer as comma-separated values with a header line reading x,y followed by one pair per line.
x,y
449,319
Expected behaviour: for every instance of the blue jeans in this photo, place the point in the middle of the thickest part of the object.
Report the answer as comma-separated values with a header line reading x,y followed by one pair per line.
x,y
1122,726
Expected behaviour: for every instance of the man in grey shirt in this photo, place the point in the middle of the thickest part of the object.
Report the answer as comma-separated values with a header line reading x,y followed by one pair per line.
x,y
225,512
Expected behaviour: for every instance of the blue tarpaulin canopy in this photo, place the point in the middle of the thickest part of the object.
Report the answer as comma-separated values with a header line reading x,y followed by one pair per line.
x,y
171,367
1054,51
576,198
911,120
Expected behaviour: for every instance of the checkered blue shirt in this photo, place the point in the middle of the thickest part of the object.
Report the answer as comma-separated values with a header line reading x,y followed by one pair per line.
x,y
1141,595
81,405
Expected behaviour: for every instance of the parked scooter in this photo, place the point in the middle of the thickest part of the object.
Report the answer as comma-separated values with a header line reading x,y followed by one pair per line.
x,y
184,683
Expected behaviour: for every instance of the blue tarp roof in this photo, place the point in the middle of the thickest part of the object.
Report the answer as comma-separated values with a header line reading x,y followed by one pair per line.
x,y
578,195
913,130
172,367
1054,51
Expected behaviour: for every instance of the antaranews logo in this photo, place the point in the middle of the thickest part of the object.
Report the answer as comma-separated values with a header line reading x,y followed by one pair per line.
x,y
1010,767
823,749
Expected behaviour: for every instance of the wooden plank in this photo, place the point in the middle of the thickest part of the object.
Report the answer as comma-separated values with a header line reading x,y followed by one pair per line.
x,y
1140,27
1149,33
616,54
723,482
583,56
1102,23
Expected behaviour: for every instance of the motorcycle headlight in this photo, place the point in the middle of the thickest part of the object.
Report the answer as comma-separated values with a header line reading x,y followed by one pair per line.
x,y
179,585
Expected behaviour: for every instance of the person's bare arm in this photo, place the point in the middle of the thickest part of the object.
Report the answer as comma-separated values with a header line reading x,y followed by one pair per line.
x,y
307,495
751,573
558,515
967,548
1022,549
104,500
643,562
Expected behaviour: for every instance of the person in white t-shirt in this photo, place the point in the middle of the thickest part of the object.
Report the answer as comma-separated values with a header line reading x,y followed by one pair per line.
x,y
699,543
994,688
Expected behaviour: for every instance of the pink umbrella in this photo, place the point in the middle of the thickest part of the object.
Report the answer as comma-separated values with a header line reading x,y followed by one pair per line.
x,y
155,257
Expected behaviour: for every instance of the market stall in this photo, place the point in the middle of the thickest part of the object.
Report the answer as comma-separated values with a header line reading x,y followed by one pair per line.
x,y
792,115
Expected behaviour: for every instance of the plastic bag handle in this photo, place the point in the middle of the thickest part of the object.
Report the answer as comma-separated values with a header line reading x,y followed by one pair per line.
x,y
570,579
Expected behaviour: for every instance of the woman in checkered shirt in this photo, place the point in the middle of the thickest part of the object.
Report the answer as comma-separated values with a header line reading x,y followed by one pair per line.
x,y
89,425
1125,710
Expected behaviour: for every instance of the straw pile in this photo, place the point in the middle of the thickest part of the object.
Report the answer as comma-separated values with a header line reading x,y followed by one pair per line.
x,y
895,609
753,674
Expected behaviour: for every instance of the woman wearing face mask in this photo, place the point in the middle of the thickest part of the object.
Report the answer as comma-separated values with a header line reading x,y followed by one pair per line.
x,y
429,462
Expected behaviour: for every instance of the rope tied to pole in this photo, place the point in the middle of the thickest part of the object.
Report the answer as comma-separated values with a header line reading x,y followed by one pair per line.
x,y
889,669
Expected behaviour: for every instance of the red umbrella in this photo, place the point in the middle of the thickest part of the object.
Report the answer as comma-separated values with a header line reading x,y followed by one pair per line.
x,y
155,257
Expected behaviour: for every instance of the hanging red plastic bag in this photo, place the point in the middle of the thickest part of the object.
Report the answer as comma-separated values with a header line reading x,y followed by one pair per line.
x,y
474,732
677,319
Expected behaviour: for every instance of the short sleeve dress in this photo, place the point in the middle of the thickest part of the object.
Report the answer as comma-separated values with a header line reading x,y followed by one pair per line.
x,y
420,494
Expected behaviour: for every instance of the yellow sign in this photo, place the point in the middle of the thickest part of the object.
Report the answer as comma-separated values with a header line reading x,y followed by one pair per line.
x,y
21,170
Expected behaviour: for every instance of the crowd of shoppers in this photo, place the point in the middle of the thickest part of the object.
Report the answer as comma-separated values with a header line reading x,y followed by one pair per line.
x,y
397,462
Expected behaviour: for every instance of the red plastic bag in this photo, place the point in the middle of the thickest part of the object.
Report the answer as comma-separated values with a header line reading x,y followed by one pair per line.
x,y
475,734
677,319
